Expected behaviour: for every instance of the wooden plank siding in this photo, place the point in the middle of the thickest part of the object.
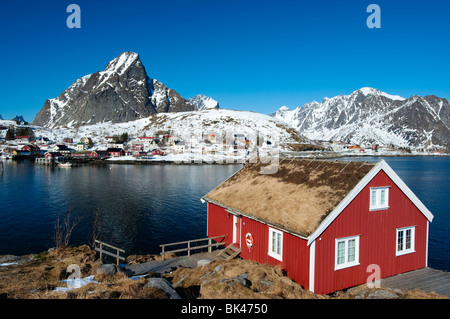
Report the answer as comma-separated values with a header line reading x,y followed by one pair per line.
x,y
377,242
295,254
220,222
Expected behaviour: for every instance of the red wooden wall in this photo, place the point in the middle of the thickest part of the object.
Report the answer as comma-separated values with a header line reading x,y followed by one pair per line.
x,y
377,230
295,250
219,223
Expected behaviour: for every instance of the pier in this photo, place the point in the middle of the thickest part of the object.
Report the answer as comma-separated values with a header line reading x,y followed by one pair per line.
x,y
426,279
44,161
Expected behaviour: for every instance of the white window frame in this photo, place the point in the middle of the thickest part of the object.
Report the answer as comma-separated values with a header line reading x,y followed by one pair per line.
x,y
375,198
346,263
403,231
274,252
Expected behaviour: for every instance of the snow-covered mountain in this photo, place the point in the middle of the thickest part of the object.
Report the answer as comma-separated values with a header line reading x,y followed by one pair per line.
x,y
121,92
185,125
202,102
369,116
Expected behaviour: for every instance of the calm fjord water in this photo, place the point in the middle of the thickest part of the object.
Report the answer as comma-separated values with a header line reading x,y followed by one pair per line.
x,y
144,206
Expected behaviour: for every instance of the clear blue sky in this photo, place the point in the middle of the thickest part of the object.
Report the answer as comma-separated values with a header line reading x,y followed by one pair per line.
x,y
249,55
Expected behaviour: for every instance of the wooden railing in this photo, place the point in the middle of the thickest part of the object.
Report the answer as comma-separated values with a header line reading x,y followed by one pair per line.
x,y
102,251
190,247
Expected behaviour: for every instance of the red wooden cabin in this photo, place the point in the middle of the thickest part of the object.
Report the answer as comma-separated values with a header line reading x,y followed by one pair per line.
x,y
327,224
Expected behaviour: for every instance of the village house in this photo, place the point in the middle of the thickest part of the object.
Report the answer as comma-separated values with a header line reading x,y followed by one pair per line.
x,y
156,151
324,222
211,137
170,139
99,154
62,148
115,145
81,147
53,155
115,152
22,139
179,147
143,143
82,154
31,149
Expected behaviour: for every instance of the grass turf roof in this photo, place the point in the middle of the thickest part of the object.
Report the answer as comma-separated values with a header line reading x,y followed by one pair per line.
x,y
298,196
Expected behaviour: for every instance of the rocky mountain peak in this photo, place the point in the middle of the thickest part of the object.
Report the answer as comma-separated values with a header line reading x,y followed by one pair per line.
x,y
122,62
370,116
121,92
202,102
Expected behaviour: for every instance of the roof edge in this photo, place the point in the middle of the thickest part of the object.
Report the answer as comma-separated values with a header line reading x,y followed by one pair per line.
x,y
381,165
236,211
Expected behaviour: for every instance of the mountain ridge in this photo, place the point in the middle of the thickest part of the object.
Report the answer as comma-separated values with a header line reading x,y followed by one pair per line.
x,y
370,116
121,92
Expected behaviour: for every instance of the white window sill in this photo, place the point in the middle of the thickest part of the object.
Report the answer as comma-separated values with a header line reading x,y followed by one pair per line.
x,y
405,252
372,209
276,256
343,266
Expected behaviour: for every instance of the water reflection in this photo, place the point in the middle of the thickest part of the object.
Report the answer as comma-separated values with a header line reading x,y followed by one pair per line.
x,y
142,206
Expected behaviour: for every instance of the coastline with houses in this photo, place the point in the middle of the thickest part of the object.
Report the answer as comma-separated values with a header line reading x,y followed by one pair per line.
x,y
166,146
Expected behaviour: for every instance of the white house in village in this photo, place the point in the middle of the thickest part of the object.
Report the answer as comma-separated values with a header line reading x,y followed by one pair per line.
x,y
81,147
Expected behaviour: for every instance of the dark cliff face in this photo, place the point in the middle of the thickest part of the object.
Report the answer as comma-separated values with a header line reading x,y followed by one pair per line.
x,y
122,92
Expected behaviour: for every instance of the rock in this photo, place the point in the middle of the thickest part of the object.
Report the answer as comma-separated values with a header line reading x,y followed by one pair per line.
x,y
361,294
218,268
266,282
164,285
381,294
175,285
9,258
122,92
107,269
241,279
203,262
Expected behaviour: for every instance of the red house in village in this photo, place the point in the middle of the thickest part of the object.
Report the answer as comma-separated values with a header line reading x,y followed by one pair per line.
x,y
325,223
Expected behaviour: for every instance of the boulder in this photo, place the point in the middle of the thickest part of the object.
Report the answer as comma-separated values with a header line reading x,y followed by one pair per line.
x,y
381,294
107,269
203,262
164,285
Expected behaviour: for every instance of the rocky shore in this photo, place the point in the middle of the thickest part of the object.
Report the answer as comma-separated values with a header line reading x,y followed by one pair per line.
x,y
47,275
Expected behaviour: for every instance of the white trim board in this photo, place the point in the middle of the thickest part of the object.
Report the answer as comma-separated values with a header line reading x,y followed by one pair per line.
x,y
382,165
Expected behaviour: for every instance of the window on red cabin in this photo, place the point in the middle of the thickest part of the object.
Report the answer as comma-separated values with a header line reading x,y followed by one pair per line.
x,y
346,252
405,241
275,244
379,198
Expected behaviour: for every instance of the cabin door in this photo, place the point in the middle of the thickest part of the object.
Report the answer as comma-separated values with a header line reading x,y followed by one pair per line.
x,y
236,229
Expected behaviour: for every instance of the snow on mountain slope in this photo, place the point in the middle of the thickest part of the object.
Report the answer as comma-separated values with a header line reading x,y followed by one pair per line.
x,y
121,92
369,116
185,125
202,102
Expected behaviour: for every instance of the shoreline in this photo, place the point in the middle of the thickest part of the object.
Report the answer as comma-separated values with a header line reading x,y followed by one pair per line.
x,y
219,161
45,276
